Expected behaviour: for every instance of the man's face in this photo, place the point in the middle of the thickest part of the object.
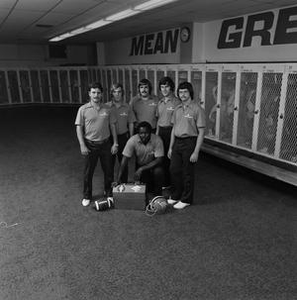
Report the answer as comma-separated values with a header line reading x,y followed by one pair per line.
x,y
117,94
144,135
144,90
165,90
184,95
95,95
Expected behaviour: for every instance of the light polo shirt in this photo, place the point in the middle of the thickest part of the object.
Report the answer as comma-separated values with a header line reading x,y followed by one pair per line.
x,y
165,111
145,110
144,153
187,119
124,115
96,123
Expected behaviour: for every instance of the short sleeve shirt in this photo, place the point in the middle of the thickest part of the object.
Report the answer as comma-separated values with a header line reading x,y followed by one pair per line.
x,y
187,119
165,111
145,110
144,153
124,115
95,123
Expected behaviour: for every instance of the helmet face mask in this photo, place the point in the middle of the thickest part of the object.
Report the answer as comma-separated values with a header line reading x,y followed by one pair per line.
x,y
157,205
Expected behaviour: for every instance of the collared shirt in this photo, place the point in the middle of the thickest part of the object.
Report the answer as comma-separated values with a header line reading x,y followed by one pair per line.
x,y
165,111
187,119
145,110
125,115
144,153
96,123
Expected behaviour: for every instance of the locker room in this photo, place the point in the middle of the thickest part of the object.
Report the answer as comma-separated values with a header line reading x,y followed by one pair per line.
x,y
237,238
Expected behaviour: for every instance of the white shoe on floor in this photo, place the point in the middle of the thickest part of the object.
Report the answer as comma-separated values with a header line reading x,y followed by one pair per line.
x,y
171,201
85,202
180,205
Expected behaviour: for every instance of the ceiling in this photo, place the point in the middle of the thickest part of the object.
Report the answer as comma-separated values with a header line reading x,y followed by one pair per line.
x,y
36,21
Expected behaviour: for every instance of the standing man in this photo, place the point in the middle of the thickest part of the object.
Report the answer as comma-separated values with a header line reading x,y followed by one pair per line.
x,y
186,139
125,123
149,152
144,105
95,121
164,112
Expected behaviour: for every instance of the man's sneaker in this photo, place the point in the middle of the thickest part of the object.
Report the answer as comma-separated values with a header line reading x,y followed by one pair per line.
x,y
180,205
171,201
85,202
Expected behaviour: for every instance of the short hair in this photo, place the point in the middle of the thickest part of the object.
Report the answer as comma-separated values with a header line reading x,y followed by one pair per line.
x,y
167,80
95,85
146,125
115,86
186,86
145,81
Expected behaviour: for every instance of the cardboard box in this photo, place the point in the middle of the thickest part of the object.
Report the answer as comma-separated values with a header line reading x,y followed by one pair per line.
x,y
129,196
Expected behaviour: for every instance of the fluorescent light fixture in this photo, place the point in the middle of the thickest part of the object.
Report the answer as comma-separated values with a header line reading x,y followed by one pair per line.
x,y
122,15
152,4
79,30
112,18
98,24
61,37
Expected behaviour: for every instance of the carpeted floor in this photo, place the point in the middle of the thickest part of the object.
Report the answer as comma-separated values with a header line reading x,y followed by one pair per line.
x,y
238,242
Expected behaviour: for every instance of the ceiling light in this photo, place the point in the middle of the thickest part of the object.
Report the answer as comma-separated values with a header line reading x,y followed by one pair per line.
x,y
79,30
112,18
61,37
122,15
152,4
98,24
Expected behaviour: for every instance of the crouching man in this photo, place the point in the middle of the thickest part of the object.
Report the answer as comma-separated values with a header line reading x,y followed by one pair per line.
x,y
149,152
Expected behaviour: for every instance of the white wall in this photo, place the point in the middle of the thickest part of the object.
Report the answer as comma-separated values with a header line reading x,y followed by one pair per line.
x,y
256,52
118,52
203,44
15,55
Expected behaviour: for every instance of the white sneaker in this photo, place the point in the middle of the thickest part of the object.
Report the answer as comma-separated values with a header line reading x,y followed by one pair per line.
x,y
85,202
171,201
180,205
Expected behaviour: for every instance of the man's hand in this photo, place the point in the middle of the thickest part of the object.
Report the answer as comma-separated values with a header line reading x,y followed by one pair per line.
x,y
115,183
84,150
114,149
194,157
169,153
137,174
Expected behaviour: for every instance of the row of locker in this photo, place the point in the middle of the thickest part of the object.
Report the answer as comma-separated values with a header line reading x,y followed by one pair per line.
x,y
252,107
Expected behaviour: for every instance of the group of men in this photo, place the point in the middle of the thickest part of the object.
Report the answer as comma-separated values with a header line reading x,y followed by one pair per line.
x,y
165,136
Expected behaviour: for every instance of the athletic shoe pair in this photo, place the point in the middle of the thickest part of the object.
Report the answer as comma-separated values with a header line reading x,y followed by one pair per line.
x,y
177,204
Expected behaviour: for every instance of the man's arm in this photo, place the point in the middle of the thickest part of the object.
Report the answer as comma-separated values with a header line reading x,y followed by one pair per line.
x,y
114,148
80,136
200,137
123,166
131,128
157,161
172,138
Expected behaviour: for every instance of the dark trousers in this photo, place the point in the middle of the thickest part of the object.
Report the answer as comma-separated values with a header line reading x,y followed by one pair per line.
x,y
153,179
165,133
122,140
102,152
182,170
